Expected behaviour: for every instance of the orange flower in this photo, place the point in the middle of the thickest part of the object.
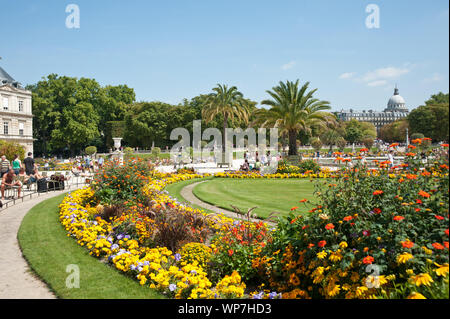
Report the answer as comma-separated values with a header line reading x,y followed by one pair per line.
x,y
417,141
348,218
393,145
294,208
424,194
329,226
230,252
378,192
368,260
321,243
399,218
437,246
303,200
444,145
407,244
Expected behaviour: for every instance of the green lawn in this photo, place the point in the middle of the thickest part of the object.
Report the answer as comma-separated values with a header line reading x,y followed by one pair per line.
x,y
49,251
268,195
174,190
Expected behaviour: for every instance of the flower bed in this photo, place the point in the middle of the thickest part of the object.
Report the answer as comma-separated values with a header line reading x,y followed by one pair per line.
x,y
375,234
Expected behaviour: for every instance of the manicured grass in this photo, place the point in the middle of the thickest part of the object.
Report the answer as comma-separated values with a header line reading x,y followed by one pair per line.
x,y
268,195
48,250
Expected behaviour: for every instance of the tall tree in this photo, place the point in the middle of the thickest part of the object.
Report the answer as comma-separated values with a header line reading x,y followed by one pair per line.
x,y
293,109
229,103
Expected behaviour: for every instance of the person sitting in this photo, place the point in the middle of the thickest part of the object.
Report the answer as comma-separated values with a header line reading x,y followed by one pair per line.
x,y
9,180
245,167
34,177
23,177
75,171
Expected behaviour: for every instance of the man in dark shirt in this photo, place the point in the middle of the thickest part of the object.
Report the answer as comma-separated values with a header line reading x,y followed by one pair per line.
x,y
29,164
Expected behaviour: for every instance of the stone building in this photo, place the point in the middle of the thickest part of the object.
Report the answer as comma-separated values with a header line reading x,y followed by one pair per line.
x,y
396,109
16,119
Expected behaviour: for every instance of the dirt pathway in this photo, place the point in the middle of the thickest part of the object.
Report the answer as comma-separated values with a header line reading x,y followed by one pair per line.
x,y
16,279
187,193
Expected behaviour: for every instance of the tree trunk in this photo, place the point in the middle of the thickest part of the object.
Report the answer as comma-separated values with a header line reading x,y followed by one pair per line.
x,y
293,142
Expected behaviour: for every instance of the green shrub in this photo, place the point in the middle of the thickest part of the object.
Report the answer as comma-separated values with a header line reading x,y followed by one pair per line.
x,y
90,150
9,149
156,151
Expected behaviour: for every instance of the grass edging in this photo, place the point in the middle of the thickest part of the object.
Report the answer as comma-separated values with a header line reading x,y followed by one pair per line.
x,y
49,251
174,190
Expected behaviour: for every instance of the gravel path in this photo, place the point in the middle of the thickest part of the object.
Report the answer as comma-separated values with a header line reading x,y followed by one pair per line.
x,y
187,193
16,279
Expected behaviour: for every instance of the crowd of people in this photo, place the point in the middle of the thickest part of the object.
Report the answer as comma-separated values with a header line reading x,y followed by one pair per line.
x,y
17,174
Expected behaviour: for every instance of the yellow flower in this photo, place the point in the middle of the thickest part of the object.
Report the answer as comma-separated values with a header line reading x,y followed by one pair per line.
x,y
343,244
442,270
403,258
416,295
321,255
422,279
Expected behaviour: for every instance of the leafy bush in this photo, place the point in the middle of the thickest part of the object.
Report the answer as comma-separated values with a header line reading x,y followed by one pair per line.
x,y
9,149
116,184
367,224
195,252
90,150
156,151
309,165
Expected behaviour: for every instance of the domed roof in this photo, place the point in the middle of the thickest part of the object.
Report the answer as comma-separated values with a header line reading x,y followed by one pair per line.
x,y
396,102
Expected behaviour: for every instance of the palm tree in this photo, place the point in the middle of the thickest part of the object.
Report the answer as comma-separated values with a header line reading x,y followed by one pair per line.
x,y
229,103
293,110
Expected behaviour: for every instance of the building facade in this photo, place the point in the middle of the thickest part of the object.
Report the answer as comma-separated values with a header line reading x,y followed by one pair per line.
x,y
16,118
396,110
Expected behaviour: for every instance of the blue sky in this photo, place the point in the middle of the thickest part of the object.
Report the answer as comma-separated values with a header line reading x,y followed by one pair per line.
x,y
170,50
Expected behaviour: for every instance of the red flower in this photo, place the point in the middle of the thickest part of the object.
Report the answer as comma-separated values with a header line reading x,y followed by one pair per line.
x,y
347,218
303,201
230,252
446,244
329,226
399,218
437,246
378,192
446,232
418,201
366,232
368,260
444,145
407,244
294,208
439,217
321,243
377,210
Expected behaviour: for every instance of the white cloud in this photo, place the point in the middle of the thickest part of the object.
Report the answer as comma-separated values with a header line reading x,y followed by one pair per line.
x,y
347,75
436,77
377,83
289,65
384,73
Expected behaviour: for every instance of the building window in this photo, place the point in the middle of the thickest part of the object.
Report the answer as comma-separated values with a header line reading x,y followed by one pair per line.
x,y
5,128
5,103
21,129
20,106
